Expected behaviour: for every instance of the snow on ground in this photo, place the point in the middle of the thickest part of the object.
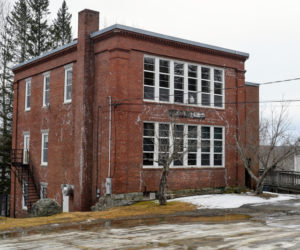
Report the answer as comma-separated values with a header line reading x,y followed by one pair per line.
x,y
232,200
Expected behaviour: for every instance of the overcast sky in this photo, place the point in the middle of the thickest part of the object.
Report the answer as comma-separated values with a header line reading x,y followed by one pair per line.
x,y
269,30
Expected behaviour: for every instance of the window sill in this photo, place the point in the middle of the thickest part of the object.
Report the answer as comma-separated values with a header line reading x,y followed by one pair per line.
x,y
26,110
67,102
44,164
186,167
46,106
183,104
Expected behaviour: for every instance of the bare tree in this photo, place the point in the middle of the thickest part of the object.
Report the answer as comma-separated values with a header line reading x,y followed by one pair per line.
x,y
273,132
171,148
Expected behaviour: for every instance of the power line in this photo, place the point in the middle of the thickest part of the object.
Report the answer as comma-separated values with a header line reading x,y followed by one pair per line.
x,y
279,81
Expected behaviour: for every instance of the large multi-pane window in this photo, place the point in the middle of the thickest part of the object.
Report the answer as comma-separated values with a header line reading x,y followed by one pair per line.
x,y
46,89
183,83
68,83
27,94
185,145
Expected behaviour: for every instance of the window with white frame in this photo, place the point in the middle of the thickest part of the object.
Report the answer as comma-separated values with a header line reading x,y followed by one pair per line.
x,y
43,190
192,84
205,145
189,145
173,81
178,145
218,88
218,146
44,150
149,81
27,94
24,194
205,86
148,144
68,83
26,147
178,82
46,89
163,143
192,137
164,80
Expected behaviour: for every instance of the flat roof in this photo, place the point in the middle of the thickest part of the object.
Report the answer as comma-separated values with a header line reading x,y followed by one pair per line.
x,y
171,38
139,31
252,84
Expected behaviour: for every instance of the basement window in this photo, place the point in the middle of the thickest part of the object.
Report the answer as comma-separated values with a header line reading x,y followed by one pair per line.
x,y
68,83
27,94
46,89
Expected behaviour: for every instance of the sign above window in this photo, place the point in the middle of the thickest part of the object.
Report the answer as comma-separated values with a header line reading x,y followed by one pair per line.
x,y
186,114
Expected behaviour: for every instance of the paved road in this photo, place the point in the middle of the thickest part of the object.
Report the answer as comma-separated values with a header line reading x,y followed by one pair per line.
x,y
274,227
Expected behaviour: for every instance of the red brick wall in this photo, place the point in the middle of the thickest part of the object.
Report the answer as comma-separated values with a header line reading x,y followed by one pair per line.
x,y
78,132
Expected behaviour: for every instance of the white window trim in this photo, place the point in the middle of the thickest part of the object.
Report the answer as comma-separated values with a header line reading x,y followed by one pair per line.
x,y
44,132
27,82
199,78
26,135
24,207
185,166
67,68
46,74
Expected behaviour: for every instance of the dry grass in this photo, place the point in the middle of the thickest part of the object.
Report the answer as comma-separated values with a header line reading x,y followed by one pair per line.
x,y
138,209
267,195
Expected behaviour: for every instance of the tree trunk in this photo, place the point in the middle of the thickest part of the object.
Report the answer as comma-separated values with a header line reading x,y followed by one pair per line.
x,y
163,185
259,186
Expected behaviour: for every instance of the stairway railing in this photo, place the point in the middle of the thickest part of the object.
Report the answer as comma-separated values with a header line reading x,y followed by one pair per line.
x,y
24,168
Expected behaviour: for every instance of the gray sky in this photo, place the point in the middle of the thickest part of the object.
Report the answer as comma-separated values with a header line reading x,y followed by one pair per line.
x,y
269,30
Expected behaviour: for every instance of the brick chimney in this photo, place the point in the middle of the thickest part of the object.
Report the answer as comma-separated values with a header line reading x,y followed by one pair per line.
x,y
88,22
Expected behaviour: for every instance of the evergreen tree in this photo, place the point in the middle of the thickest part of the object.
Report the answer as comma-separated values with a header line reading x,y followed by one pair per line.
x,y
19,20
6,104
39,36
61,28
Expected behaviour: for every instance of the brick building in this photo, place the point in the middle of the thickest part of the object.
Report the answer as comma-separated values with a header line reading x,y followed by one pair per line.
x,y
63,119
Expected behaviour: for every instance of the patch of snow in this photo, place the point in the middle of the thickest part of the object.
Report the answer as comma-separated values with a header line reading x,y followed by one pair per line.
x,y
232,200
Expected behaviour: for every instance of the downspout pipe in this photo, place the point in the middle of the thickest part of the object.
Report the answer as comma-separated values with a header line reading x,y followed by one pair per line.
x,y
108,179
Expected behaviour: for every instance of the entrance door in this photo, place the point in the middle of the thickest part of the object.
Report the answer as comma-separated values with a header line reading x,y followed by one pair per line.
x,y
26,149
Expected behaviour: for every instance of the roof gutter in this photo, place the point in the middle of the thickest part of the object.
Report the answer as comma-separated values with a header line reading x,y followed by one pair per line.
x,y
171,38
51,52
